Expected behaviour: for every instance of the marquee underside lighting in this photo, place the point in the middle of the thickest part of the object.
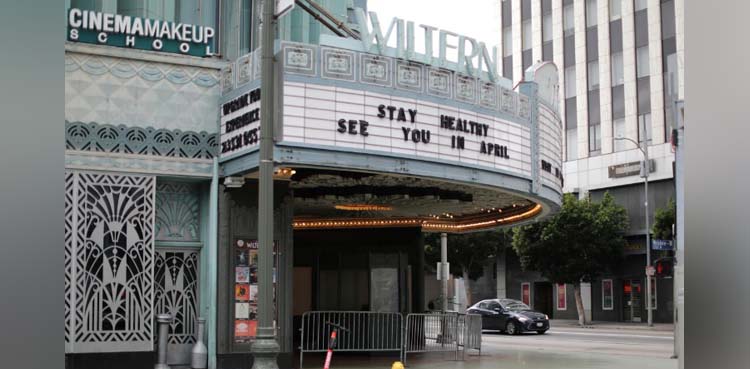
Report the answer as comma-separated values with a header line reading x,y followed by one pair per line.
x,y
466,224
363,207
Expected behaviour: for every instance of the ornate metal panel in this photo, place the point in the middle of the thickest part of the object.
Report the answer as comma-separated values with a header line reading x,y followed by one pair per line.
x,y
176,274
177,212
70,201
109,261
123,139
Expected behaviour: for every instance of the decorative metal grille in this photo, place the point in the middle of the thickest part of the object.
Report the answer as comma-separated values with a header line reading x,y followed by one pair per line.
x,y
176,274
137,140
177,212
109,259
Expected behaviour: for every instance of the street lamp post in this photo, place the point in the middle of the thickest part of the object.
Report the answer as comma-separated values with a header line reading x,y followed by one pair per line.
x,y
265,348
645,168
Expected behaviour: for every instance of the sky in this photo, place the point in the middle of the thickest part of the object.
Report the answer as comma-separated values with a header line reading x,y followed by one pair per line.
x,y
479,19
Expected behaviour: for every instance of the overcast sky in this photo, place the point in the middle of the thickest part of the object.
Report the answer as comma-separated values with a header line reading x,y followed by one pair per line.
x,y
479,19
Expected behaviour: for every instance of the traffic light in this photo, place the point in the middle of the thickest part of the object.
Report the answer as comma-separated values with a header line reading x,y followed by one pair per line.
x,y
664,267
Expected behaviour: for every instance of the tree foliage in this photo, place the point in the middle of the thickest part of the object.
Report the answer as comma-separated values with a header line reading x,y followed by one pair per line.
x,y
664,218
467,253
578,244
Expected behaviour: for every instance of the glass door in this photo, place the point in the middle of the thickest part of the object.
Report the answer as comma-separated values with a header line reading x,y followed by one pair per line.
x,y
631,289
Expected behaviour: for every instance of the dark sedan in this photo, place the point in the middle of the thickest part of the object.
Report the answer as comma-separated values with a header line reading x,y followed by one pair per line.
x,y
510,316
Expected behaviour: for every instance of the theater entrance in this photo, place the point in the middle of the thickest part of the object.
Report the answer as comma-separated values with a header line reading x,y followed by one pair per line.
x,y
358,270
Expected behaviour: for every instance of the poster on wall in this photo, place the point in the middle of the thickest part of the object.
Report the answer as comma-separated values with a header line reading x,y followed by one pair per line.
x,y
242,274
246,288
607,293
242,310
245,329
562,302
526,293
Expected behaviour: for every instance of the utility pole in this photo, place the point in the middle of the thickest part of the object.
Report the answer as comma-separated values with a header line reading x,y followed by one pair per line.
x,y
645,169
265,348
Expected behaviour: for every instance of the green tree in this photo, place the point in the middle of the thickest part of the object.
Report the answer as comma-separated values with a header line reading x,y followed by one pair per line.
x,y
664,218
578,244
467,253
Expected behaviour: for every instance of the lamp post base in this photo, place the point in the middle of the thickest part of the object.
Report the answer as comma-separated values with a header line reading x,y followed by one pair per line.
x,y
265,350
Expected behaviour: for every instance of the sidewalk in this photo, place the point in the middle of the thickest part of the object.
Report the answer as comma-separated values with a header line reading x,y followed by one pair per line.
x,y
659,327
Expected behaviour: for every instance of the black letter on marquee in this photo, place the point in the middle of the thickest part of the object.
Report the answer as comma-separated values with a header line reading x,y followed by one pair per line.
x,y
381,111
342,126
363,128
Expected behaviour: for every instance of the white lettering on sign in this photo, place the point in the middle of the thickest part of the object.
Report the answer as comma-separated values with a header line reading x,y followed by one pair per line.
x,y
240,123
344,118
472,58
105,23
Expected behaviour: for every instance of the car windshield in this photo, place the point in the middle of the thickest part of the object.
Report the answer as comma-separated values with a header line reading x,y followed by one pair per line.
x,y
516,305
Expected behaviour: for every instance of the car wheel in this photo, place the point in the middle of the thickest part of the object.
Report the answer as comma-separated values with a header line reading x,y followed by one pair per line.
x,y
541,332
511,328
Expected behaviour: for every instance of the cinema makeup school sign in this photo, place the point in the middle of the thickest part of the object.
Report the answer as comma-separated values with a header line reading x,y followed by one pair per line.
x,y
139,33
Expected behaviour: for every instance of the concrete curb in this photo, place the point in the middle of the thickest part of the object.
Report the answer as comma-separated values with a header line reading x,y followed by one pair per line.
x,y
659,327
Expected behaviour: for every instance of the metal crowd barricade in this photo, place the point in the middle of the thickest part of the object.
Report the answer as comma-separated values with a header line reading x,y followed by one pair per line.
x,y
368,331
442,332
470,337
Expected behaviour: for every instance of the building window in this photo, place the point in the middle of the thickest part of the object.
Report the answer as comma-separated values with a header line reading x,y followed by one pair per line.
x,y
507,41
607,295
615,9
526,293
526,35
570,82
644,128
618,128
618,74
547,51
526,59
595,139
547,27
508,67
640,5
571,140
571,128
507,12
591,13
593,75
562,297
642,62
592,44
568,20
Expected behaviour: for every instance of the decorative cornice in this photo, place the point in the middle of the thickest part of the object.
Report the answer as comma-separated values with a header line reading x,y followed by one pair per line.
x,y
144,55
148,70
106,138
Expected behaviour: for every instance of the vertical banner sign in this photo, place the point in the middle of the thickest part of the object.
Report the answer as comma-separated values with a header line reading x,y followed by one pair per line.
x,y
246,288
526,293
139,33
562,298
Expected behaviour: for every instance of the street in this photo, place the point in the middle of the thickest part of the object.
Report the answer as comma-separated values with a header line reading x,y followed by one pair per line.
x,y
562,347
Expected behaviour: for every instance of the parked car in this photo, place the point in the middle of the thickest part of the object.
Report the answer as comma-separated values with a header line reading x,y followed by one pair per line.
x,y
509,316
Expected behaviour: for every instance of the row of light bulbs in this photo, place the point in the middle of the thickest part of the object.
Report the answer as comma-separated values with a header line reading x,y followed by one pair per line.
x,y
426,224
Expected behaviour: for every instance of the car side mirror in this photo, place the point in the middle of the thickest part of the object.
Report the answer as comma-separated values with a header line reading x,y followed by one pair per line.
x,y
499,310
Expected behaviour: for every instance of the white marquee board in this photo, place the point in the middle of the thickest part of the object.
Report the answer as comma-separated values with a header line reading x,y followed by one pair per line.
x,y
311,115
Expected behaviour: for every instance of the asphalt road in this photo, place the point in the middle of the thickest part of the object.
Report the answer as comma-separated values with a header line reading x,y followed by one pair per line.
x,y
571,347
611,342
559,348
